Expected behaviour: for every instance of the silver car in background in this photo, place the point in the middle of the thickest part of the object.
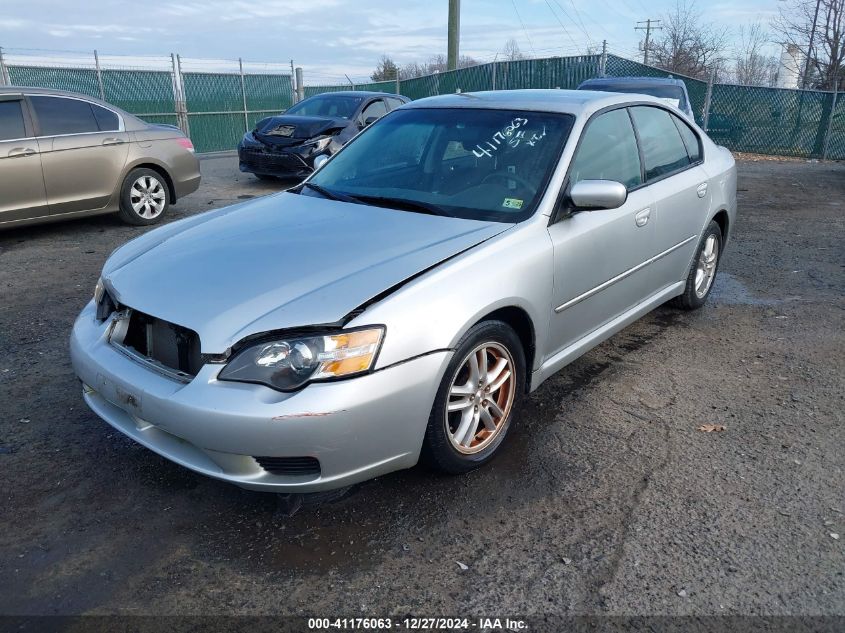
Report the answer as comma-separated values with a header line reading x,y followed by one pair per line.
x,y
401,301
64,155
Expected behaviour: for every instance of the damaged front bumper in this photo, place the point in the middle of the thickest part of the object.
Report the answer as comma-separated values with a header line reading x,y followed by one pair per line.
x,y
284,160
352,430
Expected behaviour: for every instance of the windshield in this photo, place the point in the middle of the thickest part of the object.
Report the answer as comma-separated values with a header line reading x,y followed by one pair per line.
x,y
338,106
673,95
471,163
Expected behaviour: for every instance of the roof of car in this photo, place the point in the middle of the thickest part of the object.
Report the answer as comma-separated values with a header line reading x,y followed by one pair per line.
x,y
634,81
31,90
565,101
360,93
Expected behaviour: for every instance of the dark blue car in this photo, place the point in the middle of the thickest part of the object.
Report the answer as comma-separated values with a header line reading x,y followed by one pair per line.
x,y
286,145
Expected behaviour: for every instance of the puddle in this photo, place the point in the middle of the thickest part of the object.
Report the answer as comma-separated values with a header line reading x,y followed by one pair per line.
x,y
730,290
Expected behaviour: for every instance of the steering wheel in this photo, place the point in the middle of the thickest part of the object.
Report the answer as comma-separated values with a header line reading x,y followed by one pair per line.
x,y
498,175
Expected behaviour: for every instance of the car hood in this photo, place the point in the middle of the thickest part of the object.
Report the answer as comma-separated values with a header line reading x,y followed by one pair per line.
x,y
279,262
287,128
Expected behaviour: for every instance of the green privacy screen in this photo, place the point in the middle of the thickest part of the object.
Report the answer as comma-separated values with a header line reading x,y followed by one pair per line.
x,y
220,107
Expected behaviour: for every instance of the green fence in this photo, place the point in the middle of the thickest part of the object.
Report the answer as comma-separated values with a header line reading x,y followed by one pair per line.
x,y
743,118
215,108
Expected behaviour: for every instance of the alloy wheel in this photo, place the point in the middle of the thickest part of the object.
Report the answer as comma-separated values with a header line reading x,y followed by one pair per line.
x,y
147,197
706,268
480,398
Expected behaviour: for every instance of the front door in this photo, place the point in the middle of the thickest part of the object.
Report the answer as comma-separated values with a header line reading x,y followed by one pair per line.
x,y
22,193
600,256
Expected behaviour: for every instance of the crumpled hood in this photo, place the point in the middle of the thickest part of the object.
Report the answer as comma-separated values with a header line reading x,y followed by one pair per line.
x,y
279,262
288,128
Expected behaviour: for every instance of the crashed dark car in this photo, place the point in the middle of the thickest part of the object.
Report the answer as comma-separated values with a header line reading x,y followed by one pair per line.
x,y
286,145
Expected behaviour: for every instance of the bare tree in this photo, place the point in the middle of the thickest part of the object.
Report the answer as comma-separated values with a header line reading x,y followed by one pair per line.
x,y
511,51
687,45
435,64
827,57
386,69
752,66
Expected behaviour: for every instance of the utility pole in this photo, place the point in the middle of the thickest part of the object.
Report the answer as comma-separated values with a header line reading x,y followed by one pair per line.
x,y
650,25
454,34
4,73
810,46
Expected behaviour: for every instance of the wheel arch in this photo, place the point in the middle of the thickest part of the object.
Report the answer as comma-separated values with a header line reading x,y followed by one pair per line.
x,y
521,322
161,170
721,218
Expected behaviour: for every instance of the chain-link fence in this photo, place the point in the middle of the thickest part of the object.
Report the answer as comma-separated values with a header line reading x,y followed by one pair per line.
x,y
744,118
216,101
213,101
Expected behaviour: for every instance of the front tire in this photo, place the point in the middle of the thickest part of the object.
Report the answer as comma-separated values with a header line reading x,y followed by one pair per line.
x,y
144,197
477,399
703,270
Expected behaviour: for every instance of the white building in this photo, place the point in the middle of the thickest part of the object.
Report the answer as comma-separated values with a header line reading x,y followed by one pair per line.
x,y
789,68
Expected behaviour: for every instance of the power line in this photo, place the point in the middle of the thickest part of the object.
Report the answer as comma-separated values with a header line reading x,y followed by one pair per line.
x,y
566,32
524,30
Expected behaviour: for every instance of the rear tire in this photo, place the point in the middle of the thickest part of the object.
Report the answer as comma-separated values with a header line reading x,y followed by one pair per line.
x,y
702,272
477,399
144,197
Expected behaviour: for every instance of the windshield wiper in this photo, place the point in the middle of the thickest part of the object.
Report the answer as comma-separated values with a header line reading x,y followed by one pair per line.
x,y
404,203
331,195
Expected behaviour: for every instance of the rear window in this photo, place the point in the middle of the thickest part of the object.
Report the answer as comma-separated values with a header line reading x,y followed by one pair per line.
x,y
58,115
11,121
674,95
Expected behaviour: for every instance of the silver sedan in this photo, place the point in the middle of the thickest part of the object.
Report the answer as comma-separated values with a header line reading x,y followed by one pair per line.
x,y
399,304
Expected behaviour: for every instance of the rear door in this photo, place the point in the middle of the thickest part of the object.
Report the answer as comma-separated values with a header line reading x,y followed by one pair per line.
x,y
600,256
22,193
83,148
678,183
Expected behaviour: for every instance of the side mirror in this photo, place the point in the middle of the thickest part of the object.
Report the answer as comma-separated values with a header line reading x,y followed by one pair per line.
x,y
598,194
320,161
370,120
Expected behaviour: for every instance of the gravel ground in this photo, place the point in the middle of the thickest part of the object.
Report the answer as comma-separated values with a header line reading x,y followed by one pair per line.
x,y
606,500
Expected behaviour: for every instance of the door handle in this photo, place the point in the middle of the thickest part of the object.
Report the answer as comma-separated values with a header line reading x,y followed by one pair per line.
x,y
21,151
113,141
642,217
702,190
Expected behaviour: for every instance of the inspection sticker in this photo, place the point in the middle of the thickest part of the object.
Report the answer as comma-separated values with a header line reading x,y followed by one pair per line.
x,y
512,203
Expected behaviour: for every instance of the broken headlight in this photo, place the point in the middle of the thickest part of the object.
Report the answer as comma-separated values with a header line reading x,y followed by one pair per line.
x,y
102,299
319,144
290,363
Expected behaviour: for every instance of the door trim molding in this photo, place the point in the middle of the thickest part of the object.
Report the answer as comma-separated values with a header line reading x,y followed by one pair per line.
x,y
621,276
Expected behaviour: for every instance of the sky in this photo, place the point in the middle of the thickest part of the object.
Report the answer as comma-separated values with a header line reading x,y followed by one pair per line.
x,y
331,38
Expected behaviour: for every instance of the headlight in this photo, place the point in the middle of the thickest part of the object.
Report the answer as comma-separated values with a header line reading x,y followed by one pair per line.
x,y
288,364
319,144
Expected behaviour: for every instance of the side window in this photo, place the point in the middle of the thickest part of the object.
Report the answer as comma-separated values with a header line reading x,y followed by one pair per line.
x,y
393,103
663,149
691,140
107,120
375,109
608,151
11,121
57,115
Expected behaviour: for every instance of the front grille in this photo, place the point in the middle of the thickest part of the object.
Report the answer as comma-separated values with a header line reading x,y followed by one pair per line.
x,y
289,465
169,345
258,159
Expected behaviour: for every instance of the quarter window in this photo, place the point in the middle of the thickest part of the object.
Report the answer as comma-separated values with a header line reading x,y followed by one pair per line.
x,y
663,149
107,120
57,115
11,121
691,141
608,151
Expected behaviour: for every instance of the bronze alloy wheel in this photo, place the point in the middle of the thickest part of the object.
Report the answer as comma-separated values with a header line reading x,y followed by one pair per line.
x,y
480,398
